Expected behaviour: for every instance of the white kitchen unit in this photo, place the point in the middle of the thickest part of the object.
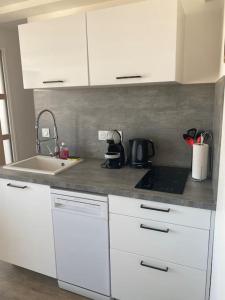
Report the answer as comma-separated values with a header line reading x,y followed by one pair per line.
x,y
54,52
202,66
159,251
26,230
136,43
81,232
222,42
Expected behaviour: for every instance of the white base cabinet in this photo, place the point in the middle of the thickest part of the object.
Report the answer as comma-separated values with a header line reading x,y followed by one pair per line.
x,y
26,230
160,240
137,277
159,251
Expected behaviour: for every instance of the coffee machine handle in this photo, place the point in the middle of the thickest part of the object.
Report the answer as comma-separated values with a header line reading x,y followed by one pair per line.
x,y
153,148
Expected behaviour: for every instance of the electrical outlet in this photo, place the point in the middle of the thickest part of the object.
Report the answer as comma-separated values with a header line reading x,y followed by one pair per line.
x,y
103,135
45,132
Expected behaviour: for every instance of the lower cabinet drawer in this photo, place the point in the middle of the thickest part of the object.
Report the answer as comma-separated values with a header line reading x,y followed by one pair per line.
x,y
163,212
178,244
141,278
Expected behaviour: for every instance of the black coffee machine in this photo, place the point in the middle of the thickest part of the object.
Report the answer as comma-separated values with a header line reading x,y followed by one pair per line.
x,y
140,153
115,156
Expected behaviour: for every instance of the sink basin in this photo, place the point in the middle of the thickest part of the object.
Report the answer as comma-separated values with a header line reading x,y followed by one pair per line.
x,y
43,165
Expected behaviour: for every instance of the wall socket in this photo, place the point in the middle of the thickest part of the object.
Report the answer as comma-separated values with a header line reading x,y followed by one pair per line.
x,y
103,135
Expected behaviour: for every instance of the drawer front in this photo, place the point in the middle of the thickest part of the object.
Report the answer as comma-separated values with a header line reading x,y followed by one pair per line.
x,y
139,277
176,214
18,189
178,244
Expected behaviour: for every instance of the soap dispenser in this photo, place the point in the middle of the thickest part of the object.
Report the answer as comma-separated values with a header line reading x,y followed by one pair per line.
x,y
64,151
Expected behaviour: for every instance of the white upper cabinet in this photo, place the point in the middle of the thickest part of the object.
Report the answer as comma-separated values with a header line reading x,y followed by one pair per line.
x,y
222,42
202,47
136,43
54,52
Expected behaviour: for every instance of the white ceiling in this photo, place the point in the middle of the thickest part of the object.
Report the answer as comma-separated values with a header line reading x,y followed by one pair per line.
x,y
14,10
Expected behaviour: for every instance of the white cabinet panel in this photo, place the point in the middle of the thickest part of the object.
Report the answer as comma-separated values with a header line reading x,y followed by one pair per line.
x,y
178,244
26,230
163,212
132,281
54,52
138,39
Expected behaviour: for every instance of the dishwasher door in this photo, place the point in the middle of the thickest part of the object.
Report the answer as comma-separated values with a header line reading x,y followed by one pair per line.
x,y
82,242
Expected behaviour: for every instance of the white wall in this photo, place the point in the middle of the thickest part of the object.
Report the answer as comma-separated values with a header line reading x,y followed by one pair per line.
x,y
218,270
20,101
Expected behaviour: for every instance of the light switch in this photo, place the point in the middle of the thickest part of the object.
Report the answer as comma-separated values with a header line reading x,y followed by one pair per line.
x,y
45,132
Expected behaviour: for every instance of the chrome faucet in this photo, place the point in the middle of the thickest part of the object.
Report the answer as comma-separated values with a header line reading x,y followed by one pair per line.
x,y
55,137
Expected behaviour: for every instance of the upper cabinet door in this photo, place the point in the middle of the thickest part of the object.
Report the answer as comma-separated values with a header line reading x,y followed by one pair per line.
x,y
135,43
54,52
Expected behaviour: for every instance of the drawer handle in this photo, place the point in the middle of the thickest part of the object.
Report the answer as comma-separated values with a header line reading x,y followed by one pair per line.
x,y
153,267
128,77
154,229
53,81
156,209
17,186
59,205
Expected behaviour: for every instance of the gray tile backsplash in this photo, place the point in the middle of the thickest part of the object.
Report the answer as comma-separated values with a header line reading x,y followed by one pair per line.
x,y
157,112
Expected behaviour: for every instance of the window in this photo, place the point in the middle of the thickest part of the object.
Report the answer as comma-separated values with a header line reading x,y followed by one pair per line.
x,y
5,139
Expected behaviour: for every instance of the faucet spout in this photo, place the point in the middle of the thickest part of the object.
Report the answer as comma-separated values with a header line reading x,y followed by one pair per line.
x,y
55,137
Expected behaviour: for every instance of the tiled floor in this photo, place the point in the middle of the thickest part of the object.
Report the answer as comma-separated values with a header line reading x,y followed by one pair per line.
x,y
20,284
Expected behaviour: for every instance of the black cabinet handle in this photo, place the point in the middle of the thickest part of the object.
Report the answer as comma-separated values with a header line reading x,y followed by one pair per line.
x,y
154,208
17,186
153,267
53,81
154,229
128,77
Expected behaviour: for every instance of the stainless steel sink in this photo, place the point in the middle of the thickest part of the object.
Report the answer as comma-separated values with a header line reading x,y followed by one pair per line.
x,y
43,165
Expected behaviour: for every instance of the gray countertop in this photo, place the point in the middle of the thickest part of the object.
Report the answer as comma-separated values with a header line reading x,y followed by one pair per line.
x,y
88,176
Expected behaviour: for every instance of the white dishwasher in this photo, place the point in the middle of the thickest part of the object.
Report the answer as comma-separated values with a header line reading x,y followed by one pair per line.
x,y
81,234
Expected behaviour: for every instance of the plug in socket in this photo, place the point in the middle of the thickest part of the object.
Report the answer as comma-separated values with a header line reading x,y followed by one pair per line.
x,y
103,135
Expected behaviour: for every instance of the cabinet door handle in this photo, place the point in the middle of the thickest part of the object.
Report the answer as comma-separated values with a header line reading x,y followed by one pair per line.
x,y
17,186
53,81
128,77
153,267
59,205
154,208
154,229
